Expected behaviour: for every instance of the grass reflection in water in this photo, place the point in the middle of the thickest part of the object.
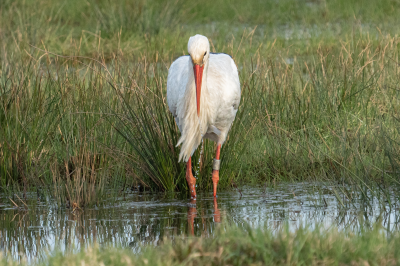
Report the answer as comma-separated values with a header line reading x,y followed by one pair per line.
x,y
140,219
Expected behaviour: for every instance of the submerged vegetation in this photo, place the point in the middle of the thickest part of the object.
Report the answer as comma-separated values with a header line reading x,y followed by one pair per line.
x,y
83,112
246,246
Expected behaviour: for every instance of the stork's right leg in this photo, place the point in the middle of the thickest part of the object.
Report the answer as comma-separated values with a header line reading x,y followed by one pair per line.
x,y
190,179
215,173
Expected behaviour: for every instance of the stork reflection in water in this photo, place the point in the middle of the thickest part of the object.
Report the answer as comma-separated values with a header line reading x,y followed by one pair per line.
x,y
192,213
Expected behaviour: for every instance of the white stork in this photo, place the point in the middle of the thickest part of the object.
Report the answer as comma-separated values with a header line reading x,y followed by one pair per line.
x,y
203,94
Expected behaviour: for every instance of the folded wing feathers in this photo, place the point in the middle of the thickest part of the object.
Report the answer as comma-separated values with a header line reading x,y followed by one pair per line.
x,y
213,129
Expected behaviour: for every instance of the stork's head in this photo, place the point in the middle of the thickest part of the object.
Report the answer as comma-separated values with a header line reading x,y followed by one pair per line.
x,y
199,51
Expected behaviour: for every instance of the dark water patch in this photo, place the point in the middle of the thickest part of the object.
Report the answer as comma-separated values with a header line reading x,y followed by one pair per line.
x,y
138,219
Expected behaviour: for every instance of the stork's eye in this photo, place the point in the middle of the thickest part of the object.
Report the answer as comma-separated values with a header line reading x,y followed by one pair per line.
x,y
205,53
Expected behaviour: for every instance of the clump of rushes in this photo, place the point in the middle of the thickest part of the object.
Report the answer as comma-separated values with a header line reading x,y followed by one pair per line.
x,y
246,246
148,126
53,139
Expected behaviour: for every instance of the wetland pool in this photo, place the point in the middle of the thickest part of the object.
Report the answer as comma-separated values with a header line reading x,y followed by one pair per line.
x,y
136,219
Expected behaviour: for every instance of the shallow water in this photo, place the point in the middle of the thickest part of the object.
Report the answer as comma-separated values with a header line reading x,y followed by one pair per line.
x,y
143,218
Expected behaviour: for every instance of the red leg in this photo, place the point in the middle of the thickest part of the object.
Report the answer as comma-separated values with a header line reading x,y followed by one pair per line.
x,y
215,174
190,179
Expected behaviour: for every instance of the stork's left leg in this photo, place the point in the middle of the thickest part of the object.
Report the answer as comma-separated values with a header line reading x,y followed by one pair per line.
x,y
215,174
190,179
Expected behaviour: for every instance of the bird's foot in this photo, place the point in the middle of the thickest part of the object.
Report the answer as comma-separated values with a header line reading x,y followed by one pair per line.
x,y
215,179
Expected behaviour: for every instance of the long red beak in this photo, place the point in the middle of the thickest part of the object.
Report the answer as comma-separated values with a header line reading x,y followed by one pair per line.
x,y
198,77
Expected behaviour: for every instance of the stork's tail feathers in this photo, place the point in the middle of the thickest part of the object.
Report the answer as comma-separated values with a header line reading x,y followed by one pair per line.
x,y
189,145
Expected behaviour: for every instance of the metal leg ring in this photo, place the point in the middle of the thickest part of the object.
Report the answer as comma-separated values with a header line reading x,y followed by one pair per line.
x,y
216,164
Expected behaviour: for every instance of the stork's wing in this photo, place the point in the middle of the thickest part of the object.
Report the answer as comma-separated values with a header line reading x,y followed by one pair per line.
x,y
176,84
224,79
213,129
224,87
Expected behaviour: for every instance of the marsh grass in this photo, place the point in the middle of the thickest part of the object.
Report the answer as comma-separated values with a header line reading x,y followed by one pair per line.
x,y
83,111
51,127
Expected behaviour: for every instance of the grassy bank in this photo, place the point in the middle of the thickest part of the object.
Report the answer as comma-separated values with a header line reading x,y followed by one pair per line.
x,y
245,246
83,114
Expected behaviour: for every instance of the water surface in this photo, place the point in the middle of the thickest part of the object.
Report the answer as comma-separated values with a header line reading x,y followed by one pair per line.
x,y
138,218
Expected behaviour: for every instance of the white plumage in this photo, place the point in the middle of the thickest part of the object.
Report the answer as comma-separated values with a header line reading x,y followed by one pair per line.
x,y
219,100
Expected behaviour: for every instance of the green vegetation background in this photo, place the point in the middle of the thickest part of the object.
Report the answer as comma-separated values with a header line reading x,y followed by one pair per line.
x,y
82,94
